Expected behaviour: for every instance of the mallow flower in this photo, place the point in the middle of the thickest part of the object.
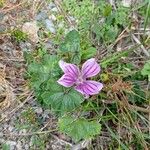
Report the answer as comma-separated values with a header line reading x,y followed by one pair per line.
x,y
77,78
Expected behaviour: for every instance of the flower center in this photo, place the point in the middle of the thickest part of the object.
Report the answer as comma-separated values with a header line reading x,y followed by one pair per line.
x,y
80,80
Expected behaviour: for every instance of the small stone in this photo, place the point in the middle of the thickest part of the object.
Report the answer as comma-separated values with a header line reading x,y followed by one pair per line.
x,y
2,28
2,140
126,3
5,19
12,147
54,9
47,146
12,144
51,5
10,128
31,29
48,45
18,146
72,18
23,131
13,1
38,110
61,25
52,17
1,134
46,114
1,16
31,141
25,46
41,16
26,147
50,26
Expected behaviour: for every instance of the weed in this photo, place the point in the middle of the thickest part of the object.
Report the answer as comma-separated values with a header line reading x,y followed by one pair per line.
x,y
18,35
27,120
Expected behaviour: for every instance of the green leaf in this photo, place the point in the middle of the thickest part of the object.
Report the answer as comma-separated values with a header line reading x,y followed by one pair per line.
x,y
63,101
76,58
146,70
40,71
71,42
107,10
50,88
91,52
5,147
79,128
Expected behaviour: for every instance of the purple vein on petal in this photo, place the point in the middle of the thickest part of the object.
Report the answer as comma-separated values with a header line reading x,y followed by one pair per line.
x,y
67,80
90,87
90,68
69,68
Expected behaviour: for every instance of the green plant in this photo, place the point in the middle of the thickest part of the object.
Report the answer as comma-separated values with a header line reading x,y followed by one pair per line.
x,y
43,72
121,106
18,35
79,128
146,70
27,120
39,142
5,147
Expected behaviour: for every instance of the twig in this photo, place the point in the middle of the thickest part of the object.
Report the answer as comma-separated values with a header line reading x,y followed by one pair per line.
x,y
3,10
32,133
142,47
12,59
137,108
81,145
60,140
132,107
121,36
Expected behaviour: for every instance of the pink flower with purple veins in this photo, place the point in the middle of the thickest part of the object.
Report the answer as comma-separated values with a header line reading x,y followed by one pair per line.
x,y
73,76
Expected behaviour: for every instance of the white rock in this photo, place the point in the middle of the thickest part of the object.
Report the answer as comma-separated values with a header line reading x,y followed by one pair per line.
x,y
11,143
38,110
2,140
41,16
126,3
10,128
31,29
48,45
46,114
51,5
26,46
50,26
23,131
13,1
72,18
18,146
54,9
61,25
1,134
52,17
26,147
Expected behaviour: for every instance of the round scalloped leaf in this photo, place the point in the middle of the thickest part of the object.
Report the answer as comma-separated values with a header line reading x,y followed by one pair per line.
x,y
79,129
61,101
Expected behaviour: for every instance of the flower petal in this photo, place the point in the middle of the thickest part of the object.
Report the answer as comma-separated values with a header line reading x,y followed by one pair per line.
x,y
90,68
69,68
89,87
67,80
